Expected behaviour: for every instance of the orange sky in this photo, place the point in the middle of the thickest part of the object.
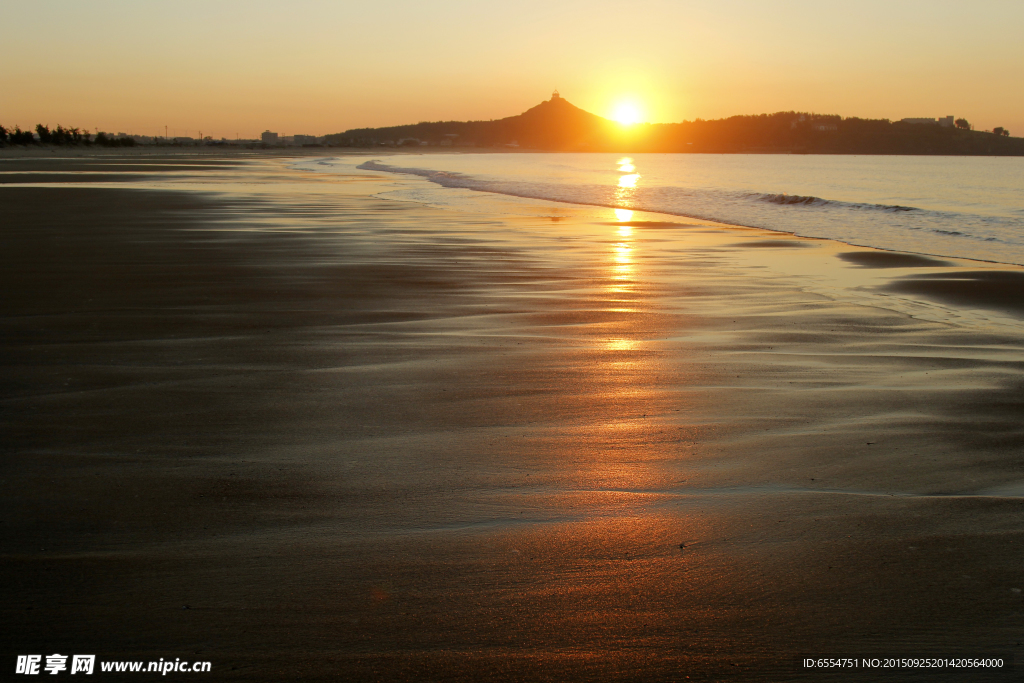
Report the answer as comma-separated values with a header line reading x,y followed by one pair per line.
x,y
318,67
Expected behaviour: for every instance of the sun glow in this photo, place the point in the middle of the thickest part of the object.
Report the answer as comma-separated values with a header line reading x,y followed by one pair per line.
x,y
627,114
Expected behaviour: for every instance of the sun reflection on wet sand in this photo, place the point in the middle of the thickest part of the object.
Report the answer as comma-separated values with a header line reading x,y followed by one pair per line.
x,y
621,344
623,251
623,266
622,291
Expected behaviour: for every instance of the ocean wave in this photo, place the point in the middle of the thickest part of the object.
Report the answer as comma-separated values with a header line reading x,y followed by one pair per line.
x,y
444,178
790,199
786,199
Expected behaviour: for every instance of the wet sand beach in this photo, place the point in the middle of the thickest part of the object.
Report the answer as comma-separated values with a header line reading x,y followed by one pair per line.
x,y
262,418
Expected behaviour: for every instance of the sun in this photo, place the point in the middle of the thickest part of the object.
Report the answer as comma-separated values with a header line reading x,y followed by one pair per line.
x,y
627,113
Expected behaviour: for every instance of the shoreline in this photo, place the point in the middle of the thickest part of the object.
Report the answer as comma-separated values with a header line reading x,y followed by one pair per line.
x,y
272,421
962,251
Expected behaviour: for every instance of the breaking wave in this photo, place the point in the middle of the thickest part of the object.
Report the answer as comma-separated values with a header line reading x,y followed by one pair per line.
x,y
789,199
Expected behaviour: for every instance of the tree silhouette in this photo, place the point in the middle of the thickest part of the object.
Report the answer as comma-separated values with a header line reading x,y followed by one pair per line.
x,y
105,140
58,136
962,124
21,137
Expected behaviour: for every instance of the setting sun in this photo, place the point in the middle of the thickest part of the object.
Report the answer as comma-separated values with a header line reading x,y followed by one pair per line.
x,y
627,113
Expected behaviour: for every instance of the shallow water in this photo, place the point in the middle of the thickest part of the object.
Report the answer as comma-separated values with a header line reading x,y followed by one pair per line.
x,y
964,207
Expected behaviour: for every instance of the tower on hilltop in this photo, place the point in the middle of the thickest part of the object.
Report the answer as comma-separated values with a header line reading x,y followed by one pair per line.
x,y
556,96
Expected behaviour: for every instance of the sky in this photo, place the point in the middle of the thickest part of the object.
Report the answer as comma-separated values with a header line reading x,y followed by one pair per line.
x,y
231,68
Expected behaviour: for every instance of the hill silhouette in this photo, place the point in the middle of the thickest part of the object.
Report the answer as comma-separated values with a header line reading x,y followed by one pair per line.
x,y
558,125
554,124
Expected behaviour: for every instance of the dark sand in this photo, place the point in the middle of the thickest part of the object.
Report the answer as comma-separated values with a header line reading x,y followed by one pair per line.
x,y
776,244
266,420
992,289
891,259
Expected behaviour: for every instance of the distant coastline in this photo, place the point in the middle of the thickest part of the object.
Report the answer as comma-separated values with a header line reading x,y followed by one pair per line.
x,y
557,125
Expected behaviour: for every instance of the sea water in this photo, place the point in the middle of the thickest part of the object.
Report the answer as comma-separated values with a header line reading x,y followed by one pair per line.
x,y
965,207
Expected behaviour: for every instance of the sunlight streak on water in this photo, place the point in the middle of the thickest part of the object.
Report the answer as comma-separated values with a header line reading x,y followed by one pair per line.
x,y
629,180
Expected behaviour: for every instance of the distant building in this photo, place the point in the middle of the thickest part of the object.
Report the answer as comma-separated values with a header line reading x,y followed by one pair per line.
x,y
555,95
268,138
304,139
946,122
827,127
